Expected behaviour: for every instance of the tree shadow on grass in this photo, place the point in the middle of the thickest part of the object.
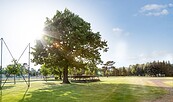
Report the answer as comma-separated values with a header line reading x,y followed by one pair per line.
x,y
24,95
6,87
50,83
95,92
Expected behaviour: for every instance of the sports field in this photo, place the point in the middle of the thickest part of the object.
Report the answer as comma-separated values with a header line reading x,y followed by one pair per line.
x,y
111,89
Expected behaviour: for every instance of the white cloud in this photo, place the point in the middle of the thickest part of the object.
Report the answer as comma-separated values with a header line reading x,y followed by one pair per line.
x,y
120,32
117,30
155,9
170,5
163,12
153,56
150,7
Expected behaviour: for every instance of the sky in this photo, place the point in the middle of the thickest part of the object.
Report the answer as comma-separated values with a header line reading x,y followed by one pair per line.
x,y
137,31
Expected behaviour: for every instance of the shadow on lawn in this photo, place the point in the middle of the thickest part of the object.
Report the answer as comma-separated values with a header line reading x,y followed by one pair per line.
x,y
6,87
33,80
95,92
24,95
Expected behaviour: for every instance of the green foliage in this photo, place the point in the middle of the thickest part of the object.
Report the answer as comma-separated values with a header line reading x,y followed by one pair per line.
x,y
69,42
44,70
91,69
51,70
33,72
2,71
13,69
108,66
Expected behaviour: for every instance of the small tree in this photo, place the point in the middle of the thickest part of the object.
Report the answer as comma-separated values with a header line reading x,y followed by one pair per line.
x,y
13,69
45,71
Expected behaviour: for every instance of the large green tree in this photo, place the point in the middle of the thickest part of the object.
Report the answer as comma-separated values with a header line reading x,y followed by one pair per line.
x,y
68,42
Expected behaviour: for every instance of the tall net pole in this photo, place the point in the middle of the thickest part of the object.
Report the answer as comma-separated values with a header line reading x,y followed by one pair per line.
x,y
1,72
1,66
15,63
29,66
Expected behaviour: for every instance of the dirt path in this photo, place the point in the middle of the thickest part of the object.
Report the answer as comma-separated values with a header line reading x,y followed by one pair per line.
x,y
166,98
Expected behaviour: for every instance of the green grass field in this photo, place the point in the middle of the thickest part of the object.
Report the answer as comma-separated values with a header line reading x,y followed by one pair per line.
x,y
112,89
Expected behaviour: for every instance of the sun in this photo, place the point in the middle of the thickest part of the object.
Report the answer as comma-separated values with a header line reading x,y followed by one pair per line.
x,y
33,31
30,26
36,32
29,32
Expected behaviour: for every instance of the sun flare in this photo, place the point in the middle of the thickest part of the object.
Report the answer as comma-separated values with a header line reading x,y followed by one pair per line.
x,y
36,32
33,32
29,27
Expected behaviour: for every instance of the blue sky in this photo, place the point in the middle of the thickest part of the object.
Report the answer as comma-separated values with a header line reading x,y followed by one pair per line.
x,y
137,31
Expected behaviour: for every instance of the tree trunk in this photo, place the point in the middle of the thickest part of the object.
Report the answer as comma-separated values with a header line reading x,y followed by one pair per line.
x,y
14,79
60,75
65,75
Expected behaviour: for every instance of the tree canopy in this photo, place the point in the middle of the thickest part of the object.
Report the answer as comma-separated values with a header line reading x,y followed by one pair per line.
x,y
68,42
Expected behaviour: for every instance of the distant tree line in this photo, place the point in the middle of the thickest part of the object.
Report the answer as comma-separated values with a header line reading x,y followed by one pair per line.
x,y
155,68
17,70
159,68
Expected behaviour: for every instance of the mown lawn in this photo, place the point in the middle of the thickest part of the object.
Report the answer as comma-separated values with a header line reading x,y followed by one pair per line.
x,y
112,89
169,81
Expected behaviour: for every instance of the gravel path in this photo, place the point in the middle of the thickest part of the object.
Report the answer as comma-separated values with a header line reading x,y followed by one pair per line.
x,y
166,98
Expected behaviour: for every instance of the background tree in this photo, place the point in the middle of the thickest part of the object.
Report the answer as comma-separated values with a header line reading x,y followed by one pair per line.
x,y
155,68
13,69
122,71
69,42
56,72
24,69
91,69
107,67
45,71
33,72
